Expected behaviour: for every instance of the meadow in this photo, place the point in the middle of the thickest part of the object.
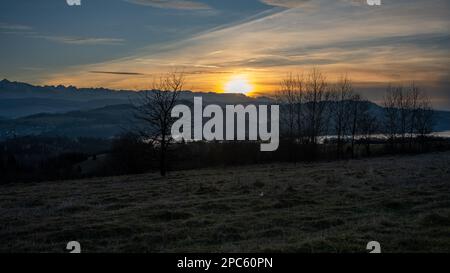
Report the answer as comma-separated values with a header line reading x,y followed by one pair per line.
x,y
403,202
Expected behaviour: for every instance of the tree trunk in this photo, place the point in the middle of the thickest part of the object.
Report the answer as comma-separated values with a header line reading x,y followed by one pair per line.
x,y
368,148
162,162
162,159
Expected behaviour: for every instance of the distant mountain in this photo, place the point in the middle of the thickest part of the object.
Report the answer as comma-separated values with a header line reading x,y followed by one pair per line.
x,y
68,111
21,99
103,122
22,107
110,121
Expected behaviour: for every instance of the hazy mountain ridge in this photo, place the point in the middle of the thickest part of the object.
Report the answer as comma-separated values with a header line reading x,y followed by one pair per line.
x,y
68,111
21,99
103,122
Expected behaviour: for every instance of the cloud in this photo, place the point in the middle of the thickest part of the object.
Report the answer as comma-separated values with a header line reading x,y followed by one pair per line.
x,y
118,73
285,3
82,40
172,4
6,28
14,27
298,3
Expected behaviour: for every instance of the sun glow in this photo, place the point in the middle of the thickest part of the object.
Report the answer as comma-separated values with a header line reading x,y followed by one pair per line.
x,y
238,84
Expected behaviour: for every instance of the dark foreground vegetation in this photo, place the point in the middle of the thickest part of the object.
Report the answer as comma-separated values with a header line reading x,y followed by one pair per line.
x,y
400,201
34,159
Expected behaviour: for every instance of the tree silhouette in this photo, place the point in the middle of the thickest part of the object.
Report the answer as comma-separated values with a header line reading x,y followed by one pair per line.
x,y
154,108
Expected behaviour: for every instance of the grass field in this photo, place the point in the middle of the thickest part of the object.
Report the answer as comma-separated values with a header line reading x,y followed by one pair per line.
x,y
402,202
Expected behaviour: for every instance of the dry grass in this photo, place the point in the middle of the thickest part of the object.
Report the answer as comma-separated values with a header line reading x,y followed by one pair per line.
x,y
402,202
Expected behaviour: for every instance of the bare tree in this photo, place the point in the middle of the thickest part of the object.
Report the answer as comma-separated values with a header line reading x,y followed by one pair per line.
x,y
154,109
290,97
391,113
341,110
405,111
356,110
424,119
368,127
414,97
367,124
316,98
298,107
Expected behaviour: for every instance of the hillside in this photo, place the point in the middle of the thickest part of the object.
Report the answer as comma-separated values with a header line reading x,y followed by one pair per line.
x,y
109,121
402,202
103,122
97,112
21,99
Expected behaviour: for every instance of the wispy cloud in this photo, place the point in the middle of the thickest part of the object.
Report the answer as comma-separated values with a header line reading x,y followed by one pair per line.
x,y
285,3
14,27
82,40
27,31
118,73
172,4
299,3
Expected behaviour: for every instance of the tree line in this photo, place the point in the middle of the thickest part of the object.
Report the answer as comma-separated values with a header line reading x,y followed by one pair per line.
x,y
311,107
314,107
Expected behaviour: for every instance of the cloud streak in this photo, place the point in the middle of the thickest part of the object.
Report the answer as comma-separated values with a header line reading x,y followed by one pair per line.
x,y
117,73
172,4
27,31
14,27
285,3
71,40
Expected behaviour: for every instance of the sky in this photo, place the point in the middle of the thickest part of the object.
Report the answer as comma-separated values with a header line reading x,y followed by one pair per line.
x,y
126,44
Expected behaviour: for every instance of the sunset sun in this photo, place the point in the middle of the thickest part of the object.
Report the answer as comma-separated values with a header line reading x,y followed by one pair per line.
x,y
238,84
